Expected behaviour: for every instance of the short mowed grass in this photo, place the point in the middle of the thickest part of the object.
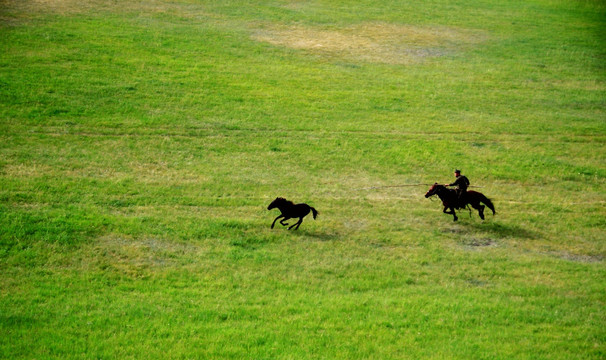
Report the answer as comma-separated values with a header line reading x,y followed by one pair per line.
x,y
141,142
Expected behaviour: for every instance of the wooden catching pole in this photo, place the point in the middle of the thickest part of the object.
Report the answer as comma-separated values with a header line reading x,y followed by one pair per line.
x,y
404,185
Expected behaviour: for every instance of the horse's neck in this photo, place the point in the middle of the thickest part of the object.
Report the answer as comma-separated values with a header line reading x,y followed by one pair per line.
x,y
285,206
445,193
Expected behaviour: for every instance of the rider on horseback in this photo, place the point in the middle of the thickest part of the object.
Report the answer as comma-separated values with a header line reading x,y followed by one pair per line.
x,y
462,183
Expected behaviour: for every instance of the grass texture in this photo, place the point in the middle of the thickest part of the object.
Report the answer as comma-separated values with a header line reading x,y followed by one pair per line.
x,y
141,142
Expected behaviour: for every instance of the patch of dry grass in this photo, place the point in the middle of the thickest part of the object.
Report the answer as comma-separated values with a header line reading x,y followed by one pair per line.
x,y
372,42
49,6
29,8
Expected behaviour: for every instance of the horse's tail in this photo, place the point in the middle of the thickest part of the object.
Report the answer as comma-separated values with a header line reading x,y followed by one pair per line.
x,y
314,212
488,203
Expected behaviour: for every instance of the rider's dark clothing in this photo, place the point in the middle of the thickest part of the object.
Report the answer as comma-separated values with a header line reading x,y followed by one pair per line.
x,y
462,183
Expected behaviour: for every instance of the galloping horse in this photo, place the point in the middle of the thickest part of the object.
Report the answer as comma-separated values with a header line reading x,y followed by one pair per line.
x,y
450,200
290,210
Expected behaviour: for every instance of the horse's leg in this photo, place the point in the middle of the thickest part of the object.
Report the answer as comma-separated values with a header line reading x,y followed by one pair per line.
x,y
283,221
297,224
300,222
451,212
272,224
480,209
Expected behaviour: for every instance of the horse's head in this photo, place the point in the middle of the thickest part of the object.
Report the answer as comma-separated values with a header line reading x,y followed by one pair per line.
x,y
276,203
433,190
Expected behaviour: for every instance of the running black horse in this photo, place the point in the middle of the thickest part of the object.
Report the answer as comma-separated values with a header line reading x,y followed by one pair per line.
x,y
290,210
450,200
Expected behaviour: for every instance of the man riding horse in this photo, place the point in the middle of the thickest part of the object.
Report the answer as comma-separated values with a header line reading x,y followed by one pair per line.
x,y
462,183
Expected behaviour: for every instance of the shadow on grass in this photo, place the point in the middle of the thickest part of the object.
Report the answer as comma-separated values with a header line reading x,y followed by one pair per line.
x,y
301,234
317,235
253,240
503,231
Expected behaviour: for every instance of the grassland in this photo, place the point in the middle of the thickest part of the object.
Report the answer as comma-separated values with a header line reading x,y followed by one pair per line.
x,y
141,143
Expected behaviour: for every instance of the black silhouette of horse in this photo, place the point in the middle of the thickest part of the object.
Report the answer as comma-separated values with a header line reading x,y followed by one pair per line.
x,y
450,200
290,210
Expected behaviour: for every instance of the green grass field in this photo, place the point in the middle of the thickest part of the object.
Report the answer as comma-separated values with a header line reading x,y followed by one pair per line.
x,y
141,142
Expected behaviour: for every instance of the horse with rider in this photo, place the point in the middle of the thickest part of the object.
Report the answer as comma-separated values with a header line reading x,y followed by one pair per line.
x,y
459,198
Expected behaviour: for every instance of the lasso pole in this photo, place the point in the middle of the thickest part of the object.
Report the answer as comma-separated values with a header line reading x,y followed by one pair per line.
x,y
404,185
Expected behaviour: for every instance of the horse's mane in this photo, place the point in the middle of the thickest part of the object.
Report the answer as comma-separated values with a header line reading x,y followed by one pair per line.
x,y
281,199
441,188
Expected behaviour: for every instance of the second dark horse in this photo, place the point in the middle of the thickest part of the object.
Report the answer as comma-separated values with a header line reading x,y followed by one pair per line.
x,y
450,200
290,210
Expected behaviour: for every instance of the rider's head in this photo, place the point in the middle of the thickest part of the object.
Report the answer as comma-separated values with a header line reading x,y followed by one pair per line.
x,y
457,172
